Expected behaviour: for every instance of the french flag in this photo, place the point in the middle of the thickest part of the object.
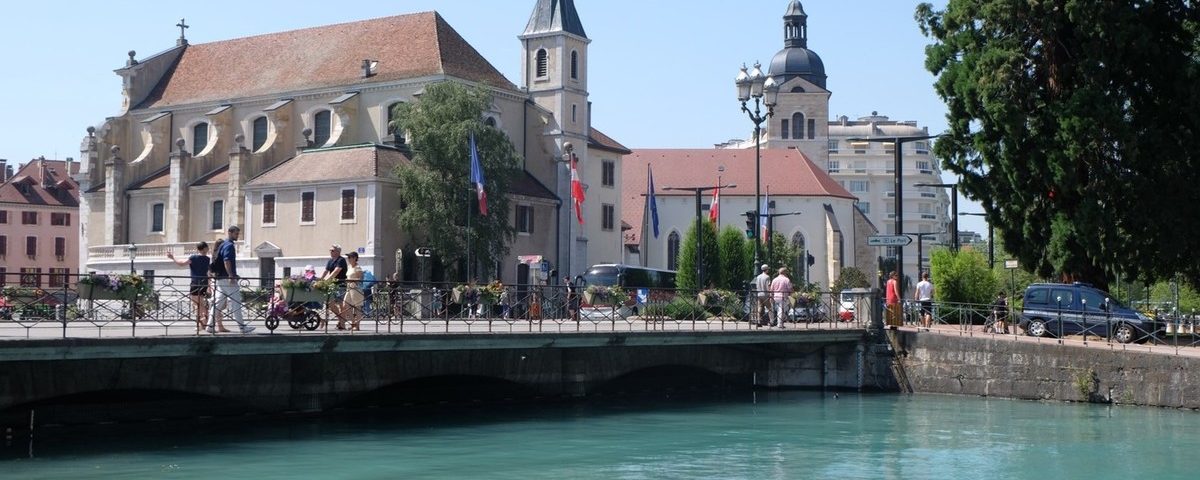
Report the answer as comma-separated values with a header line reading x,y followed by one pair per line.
x,y
477,177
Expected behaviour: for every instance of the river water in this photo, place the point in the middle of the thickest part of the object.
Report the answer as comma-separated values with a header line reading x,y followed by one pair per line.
x,y
745,435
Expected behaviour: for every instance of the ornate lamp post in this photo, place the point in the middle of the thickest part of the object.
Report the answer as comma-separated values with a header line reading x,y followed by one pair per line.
x,y
765,92
132,248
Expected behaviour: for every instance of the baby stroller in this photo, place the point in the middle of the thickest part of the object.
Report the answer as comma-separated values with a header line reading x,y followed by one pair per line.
x,y
296,314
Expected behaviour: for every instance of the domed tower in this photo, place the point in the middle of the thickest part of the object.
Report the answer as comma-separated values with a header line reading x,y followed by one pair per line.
x,y
801,116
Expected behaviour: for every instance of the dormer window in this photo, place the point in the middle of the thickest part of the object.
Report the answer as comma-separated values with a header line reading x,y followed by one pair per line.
x,y
543,60
322,125
199,138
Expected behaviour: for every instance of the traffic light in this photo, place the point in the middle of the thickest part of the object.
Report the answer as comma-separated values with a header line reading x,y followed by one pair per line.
x,y
811,260
750,224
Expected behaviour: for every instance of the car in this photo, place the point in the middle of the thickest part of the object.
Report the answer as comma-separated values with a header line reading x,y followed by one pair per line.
x,y
846,306
1060,309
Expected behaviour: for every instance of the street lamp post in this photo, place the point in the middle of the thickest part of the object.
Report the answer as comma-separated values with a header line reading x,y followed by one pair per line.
x,y
898,157
991,237
953,207
921,250
132,248
765,92
771,230
699,225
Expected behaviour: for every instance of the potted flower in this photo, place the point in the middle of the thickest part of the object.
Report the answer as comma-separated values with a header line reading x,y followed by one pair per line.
x,y
604,295
22,295
108,286
304,290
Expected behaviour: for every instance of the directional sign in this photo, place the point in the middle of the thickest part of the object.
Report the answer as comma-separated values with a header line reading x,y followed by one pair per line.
x,y
1011,264
888,240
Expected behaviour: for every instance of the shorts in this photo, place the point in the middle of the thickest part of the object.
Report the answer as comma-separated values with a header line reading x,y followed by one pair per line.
x,y
198,290
926,307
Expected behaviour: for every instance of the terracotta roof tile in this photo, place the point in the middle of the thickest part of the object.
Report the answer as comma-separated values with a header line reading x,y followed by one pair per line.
x,y
62,191
220,176
160,178
332,164
784,172
406,46
597,139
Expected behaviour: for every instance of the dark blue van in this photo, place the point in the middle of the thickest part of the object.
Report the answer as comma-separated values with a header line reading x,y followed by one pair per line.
x,y
1059,309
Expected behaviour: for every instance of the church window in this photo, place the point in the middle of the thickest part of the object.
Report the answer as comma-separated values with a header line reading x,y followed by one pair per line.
x,y
673,251
490,121
801,266
542,61
218,215
391,118
812,128
199,138
798,126
322,124
157,212
784,129
574,65
258,134
308,207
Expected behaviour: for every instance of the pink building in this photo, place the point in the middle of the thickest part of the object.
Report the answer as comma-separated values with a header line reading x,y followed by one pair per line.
x,y
39,225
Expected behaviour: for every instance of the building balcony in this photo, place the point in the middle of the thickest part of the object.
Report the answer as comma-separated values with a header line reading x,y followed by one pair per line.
x,y
107,253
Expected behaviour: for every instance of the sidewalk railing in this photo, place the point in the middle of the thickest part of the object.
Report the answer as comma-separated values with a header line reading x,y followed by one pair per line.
x,y
178,306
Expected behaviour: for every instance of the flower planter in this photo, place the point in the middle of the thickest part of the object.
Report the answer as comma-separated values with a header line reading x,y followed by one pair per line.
x,y
301,295
88,291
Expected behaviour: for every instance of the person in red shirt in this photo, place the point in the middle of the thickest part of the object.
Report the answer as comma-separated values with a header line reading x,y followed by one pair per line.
x,y
892,301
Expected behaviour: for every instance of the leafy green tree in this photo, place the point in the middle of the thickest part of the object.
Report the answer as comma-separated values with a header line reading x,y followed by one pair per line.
x,y
686,279
1074,123
435,186
733,259
850,277
781,254
962,277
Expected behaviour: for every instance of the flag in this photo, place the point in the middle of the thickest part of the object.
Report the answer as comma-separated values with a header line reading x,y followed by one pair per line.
x,y
762,221
714,210
651,200
477,177
576,189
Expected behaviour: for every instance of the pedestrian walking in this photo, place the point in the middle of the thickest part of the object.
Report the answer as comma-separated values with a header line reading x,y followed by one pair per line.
x,y
892,300
762,296
229,293
924,295
352,303
197,264
335,269
781,290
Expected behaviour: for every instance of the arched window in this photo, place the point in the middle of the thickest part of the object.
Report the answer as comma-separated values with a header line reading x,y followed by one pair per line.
x,y
199,138
798,126
258,134
673,251
391,117
542,63
784,130
574,65
322,124
801,267
490,121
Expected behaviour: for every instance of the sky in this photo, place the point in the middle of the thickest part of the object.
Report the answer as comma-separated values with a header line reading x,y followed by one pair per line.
x,y
661,71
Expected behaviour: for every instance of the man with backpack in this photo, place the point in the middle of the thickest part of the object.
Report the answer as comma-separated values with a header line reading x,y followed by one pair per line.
x,y
228,292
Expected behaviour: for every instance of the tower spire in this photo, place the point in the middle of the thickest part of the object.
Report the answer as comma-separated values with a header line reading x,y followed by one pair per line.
x,y
554,16
795,26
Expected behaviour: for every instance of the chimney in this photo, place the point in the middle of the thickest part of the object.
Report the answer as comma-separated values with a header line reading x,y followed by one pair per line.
x,y
3,170
44,172
370,67
8,172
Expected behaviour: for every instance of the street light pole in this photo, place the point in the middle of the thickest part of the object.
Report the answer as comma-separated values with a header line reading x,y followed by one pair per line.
x,y
765,92
132,253
898,157
953,207
771,231
699,225
920,250
991,237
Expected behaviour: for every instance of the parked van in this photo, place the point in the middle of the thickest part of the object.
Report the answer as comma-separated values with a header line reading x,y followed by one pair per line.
x,y
1059,309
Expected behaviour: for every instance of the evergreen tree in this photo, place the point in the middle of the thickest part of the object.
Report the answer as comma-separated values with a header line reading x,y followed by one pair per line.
x,y
686,279
733,261
435,186
1073,122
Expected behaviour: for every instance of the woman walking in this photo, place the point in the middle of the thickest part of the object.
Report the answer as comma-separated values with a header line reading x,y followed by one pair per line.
x,y
197,264
353,301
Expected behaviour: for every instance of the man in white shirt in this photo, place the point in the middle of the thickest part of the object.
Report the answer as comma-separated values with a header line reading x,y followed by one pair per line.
x,y
781,289
924,295
762,297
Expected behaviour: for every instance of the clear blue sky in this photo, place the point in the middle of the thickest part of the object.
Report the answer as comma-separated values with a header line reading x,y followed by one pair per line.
x,y
661,70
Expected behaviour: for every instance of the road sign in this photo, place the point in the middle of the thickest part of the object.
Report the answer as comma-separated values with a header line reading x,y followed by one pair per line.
x,y
888,240
1010,264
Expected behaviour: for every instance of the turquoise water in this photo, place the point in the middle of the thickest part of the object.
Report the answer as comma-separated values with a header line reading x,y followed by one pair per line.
x,y
750,436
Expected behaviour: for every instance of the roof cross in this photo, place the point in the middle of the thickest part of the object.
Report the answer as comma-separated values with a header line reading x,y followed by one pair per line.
x,y
182,25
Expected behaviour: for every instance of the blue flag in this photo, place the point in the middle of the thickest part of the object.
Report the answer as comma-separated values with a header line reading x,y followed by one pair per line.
x,y
650,198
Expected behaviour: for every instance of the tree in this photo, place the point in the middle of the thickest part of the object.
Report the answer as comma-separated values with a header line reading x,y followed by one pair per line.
x,y
686,279
1073,123
850,277
732,250
435,186
781,254
962,277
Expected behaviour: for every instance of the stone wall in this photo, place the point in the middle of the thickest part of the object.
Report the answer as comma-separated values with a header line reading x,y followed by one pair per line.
x,y
1046,370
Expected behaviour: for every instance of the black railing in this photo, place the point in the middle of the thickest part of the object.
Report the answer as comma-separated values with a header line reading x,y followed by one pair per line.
x,y
117,306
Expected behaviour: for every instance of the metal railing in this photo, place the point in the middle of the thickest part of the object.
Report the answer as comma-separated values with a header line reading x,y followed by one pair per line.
x,y
173,306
